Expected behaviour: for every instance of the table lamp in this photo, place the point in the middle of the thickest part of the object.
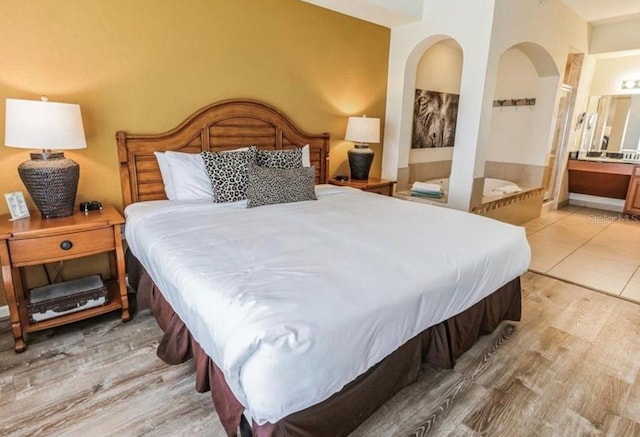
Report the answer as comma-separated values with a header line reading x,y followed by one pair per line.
x,y
362,131
50,178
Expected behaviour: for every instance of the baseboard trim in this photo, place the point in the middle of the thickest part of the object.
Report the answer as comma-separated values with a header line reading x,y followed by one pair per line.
x,y
604,203
4,312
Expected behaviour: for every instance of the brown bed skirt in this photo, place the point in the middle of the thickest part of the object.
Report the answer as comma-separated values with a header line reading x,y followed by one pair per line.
x,y
339,415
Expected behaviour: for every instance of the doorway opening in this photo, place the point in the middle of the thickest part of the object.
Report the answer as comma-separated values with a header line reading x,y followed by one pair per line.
x,y
559,151
559,143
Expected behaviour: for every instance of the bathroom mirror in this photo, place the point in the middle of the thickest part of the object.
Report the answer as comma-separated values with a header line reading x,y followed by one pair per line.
x,y
612,125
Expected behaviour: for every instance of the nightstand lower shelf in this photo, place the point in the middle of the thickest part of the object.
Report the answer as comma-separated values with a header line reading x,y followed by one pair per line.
x,y
114,303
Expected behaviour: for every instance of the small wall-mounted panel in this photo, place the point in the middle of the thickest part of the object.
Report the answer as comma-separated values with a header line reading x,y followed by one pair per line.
x,y
515,102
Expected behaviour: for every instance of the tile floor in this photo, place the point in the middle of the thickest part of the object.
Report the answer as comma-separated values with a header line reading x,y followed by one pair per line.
x,y
593,248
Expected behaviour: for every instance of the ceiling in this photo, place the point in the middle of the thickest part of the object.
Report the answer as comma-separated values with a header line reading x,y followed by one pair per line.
x,y
598,10
387,13
391,13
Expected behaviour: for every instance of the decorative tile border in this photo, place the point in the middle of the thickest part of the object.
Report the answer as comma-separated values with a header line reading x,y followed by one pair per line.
x,y
508,199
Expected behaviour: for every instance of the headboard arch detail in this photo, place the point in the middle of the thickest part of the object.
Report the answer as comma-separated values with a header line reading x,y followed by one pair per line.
x,y
224,125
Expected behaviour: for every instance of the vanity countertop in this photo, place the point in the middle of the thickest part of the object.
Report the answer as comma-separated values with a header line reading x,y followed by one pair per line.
x,y
600,159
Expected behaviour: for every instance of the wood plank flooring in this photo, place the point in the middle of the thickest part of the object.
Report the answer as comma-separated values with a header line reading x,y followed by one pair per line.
x,y
571,367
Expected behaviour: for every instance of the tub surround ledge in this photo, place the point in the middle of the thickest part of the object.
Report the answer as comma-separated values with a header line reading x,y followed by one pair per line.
x,y
516,208
527,175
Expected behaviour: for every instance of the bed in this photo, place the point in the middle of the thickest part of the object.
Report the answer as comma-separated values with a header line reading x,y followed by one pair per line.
x,y
306,317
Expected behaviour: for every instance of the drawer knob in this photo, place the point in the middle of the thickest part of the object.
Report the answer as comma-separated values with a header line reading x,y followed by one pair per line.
x,y
66,245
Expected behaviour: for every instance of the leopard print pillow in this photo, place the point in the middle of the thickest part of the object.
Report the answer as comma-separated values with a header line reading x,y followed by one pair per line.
x,y
228,173
291,158
268,186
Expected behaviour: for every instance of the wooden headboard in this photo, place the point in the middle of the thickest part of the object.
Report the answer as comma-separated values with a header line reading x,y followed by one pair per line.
x,y
225,125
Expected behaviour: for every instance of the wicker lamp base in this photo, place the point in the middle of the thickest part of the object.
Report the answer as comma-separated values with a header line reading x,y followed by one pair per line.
x,y
52,182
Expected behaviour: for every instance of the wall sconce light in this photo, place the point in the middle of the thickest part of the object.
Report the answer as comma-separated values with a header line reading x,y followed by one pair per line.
x,y
630,84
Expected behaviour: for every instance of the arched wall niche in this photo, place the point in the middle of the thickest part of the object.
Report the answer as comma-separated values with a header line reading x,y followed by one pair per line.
x,y
539,57
439,71
434,64
484,29
520,136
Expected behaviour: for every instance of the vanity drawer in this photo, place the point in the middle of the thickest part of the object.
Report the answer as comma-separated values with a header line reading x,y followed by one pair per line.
x,y
57,247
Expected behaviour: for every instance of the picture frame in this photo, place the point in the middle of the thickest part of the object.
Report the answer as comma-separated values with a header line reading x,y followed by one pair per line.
x,y
17,205
435,115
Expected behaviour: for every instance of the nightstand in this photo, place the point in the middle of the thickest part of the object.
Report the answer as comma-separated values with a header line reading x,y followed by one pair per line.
x,y
371,185
34,240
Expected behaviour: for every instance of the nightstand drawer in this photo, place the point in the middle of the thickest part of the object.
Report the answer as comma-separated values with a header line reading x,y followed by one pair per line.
x,y
386,190
59,247
371,185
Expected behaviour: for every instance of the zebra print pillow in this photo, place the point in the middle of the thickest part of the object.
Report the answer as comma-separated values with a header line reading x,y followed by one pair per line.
x,y
268,186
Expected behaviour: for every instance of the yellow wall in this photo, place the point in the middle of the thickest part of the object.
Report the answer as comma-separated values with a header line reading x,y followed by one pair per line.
x,y
145,65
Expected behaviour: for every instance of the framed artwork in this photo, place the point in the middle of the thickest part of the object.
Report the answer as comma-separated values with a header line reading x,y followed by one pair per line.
x,y
17,205
434,119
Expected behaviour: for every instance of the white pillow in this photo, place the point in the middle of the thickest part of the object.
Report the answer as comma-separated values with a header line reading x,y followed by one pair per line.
x,y
189,177
306,159
165,172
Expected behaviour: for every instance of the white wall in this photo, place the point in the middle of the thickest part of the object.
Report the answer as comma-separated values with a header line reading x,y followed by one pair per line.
x,y
515,135
484,29
388,13
610,72
512,127
469,23
555,28
549,24
409,8
439,69
615,37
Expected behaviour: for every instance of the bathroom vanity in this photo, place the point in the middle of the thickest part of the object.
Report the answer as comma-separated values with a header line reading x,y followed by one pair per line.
x,y
632,203
600,178
616,180
609,158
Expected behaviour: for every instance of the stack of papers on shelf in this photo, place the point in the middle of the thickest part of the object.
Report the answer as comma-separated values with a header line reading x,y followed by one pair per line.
x,y
425,189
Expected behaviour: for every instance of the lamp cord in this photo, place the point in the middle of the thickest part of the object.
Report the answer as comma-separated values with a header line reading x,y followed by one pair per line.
x,y
59,277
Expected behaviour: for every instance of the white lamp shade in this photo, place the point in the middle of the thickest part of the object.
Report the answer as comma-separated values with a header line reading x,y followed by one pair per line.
x,y
34,124
363,130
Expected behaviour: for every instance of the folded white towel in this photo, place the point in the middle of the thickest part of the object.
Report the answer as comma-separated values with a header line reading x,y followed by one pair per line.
x,y
507,189
426,187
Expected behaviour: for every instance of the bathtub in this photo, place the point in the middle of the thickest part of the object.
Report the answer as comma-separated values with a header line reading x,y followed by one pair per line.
x,y
516,208
490,184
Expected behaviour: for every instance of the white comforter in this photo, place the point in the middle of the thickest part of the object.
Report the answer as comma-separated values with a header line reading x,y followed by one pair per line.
x,y
294,301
